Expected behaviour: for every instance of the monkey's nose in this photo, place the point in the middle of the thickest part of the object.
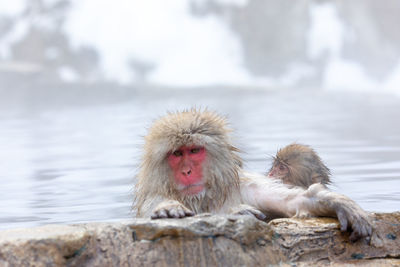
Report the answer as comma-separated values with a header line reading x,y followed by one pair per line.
x,y
186,172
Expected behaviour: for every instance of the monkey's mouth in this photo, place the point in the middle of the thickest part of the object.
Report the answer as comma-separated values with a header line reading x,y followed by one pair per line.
x,y
192,189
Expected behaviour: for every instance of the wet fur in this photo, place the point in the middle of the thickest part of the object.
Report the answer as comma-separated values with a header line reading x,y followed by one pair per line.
x,y
190,127
228,187
304,164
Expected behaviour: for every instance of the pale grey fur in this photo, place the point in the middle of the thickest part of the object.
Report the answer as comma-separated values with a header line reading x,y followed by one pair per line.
x,y
228,187
191,127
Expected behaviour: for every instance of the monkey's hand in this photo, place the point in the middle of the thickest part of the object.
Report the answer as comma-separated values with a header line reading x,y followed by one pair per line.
x,y
171,209
244,209
352,216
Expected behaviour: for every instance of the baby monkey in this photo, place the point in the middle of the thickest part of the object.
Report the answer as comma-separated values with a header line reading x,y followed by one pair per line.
x,y
299,165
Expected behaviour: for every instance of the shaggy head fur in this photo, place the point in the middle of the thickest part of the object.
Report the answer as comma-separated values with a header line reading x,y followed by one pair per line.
x,y
304,165
190,127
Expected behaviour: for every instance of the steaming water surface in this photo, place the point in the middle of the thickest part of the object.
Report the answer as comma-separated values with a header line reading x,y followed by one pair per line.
x,y
69,164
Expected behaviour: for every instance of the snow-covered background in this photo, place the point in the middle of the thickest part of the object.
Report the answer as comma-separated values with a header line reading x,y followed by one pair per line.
x,y
186,43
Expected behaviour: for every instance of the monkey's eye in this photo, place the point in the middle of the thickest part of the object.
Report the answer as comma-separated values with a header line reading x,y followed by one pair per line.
x,y
282,167
195,150
177,153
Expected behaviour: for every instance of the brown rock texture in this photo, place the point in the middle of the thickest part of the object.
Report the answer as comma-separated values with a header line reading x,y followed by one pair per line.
x,y
203,240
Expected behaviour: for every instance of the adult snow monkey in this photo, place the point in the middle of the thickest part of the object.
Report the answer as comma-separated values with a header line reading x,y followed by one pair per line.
x,y
190,166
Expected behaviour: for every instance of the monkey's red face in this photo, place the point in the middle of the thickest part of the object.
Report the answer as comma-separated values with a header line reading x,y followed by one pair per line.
x,y
278,170
187,166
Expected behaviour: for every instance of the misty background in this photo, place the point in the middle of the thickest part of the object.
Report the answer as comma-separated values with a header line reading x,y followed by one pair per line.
x,y
82,80
332,44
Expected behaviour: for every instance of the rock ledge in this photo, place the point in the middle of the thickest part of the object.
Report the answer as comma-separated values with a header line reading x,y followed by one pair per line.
x,y
203,240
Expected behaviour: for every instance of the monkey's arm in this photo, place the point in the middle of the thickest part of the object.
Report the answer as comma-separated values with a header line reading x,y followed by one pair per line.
x,y
274,197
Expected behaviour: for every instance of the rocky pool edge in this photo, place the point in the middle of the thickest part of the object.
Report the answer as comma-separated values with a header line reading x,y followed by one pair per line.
x,y
203,240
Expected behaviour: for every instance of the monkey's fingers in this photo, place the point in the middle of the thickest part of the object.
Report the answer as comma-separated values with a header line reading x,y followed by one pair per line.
x,y
254,212
244,212
259,215
179,212
359,222
165,213
342,220
159,214
176,213
189,213
357,233
357,227
370,230
365,230
361,228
